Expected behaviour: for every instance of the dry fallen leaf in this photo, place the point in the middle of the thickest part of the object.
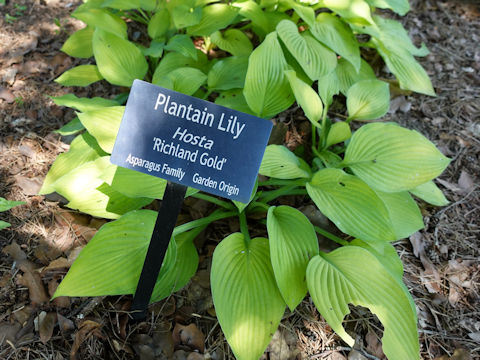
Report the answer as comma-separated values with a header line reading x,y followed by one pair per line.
x,y
29,186
36,290
6,95
189,336
19,256
46,326
430,276
87,329
65,325
374,346
8,332
465,181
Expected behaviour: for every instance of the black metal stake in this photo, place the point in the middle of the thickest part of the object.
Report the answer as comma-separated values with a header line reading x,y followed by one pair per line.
x,y
162,232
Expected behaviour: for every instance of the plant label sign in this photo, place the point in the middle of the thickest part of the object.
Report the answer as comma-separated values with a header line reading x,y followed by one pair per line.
x,y
190,141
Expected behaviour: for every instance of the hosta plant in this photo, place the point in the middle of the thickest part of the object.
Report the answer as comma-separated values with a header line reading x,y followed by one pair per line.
x,y
259,57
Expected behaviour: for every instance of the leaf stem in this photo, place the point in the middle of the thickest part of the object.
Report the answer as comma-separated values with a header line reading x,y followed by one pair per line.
x,y
268,196
330,236
214,200
244,228
216,215
280,182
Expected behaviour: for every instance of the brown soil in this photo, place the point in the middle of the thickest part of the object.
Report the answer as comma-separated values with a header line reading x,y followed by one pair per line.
x,y
442,267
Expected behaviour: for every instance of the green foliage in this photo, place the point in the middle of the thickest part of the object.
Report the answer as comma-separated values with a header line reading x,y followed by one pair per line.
x,y
258,57
7,205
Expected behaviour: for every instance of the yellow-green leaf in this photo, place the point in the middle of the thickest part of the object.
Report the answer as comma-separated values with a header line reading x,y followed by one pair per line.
x,y
174,60
228,73
122,4
86,192
102,19
306,97
347,75
83,104
234,41
352,275
368,100
214,17
404,213
79,44
393,159
267,90
339,131
121,180
186,80
111,263
355,11
401,7
293,243
84,148
82,75
333,32
314,58
430,193
159,24
351,205
248,304
118,60
182,44
103,124
281,163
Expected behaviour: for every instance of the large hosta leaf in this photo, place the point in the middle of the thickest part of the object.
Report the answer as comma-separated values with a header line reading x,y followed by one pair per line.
x,y
267,90
368,100
355,11
174,60
353,275
393,36
234,41
84,148
118,60
185,266
248,304
186,80
79,44
404,213
306,97
122,4
387,256
393,159
347,75
401,7
328,86
293,243
410,74
121,180
430,193
252,11
234,99
103,124
281,163
102,19
159,24
83,104
111,263
87,192
214,17
333,32
228,73
314,58
185,13
182,44
82,75
351,205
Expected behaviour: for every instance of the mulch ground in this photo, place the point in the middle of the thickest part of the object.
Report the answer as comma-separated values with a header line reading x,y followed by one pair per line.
x,y
442,267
